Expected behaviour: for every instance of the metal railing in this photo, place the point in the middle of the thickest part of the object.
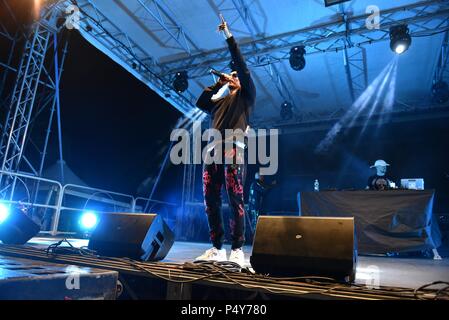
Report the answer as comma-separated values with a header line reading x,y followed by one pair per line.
x,y
72,198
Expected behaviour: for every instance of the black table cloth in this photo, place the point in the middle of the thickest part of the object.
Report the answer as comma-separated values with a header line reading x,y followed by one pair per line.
x,y
386,221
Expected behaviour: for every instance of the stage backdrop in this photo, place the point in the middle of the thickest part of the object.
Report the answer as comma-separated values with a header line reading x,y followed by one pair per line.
x,y
386,221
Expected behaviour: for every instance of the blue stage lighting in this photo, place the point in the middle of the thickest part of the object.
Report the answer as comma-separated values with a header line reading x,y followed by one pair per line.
x,y
4,212
400,39
286,111
297,60
88,220
181,82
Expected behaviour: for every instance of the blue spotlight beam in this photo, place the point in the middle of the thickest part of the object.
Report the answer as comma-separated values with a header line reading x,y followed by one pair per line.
x,y
366,103
387,90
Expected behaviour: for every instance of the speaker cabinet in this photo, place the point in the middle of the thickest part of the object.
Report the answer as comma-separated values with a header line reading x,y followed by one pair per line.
x,y
305,246
134,235
18,228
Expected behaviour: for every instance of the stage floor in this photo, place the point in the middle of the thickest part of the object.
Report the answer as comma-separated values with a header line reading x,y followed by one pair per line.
x,y
371,270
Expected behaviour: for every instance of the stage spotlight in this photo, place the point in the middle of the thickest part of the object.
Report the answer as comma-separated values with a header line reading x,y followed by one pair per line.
x,y
297,60
400,39
181,81
440,92
4,212
88,220
16,224
286,111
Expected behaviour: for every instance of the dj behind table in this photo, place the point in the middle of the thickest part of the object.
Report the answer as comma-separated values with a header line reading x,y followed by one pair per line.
x,y
387,219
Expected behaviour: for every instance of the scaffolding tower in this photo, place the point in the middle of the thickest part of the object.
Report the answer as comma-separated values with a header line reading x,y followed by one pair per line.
x,y
35,95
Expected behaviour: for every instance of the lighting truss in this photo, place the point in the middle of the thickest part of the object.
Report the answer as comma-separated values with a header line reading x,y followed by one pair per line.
x,y
111,40
422,17
23,99
35,95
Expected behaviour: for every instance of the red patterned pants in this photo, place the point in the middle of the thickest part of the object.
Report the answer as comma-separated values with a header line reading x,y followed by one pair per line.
x,y
232,176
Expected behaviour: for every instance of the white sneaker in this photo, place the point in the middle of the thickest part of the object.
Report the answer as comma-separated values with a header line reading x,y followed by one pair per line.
x,y
213,254
237,256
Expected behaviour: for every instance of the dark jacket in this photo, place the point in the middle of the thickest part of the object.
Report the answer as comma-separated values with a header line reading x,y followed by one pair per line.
x,y
231,112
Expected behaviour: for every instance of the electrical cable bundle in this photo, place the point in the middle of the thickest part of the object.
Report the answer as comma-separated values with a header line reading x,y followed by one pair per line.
x,y
233,272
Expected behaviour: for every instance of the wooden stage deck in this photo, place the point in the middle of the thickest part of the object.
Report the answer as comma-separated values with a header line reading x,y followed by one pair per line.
x,y
392,278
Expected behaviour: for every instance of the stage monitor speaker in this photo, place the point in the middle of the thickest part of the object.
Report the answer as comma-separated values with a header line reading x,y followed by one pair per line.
x,y
18,228
305,246
134,235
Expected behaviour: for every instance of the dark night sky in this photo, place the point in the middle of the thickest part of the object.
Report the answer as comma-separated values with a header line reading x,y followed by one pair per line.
x,y
114,126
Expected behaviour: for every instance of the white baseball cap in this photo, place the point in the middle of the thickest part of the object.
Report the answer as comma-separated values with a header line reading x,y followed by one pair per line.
x,y
379,163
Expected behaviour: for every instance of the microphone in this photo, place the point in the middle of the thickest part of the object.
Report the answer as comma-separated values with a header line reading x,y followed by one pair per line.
x,y
217,73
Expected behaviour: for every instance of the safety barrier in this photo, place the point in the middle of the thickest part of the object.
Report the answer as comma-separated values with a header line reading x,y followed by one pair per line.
x,y
50,200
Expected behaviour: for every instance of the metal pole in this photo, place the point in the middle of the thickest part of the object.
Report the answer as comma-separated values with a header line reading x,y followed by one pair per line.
x,y
58,74
158,176
58,108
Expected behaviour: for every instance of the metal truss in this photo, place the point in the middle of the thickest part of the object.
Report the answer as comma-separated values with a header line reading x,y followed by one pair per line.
x,y
12,40
347,34
356,70
107,37
442,68
28,103
354,62
279,83
157,11
423,17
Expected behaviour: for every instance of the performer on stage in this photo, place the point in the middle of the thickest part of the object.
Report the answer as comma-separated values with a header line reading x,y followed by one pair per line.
x,y
380,181
228,112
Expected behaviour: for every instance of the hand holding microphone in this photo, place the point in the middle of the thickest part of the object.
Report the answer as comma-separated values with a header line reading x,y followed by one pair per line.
x,y
223,77
217,73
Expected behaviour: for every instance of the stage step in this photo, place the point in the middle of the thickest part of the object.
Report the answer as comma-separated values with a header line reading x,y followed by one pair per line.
x,y
24,279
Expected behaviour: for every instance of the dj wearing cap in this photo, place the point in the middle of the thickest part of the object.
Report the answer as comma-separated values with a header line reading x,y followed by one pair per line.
x,y
380,181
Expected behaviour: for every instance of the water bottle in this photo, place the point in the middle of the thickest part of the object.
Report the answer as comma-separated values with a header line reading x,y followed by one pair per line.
x,y
316,186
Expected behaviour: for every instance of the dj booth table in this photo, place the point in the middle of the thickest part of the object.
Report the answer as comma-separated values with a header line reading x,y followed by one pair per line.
x,y
386,221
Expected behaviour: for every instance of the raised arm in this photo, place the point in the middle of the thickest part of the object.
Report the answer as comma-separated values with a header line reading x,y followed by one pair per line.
x,y
246,82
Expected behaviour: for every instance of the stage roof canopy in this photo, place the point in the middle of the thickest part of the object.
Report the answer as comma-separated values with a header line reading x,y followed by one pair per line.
x,y
345,49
